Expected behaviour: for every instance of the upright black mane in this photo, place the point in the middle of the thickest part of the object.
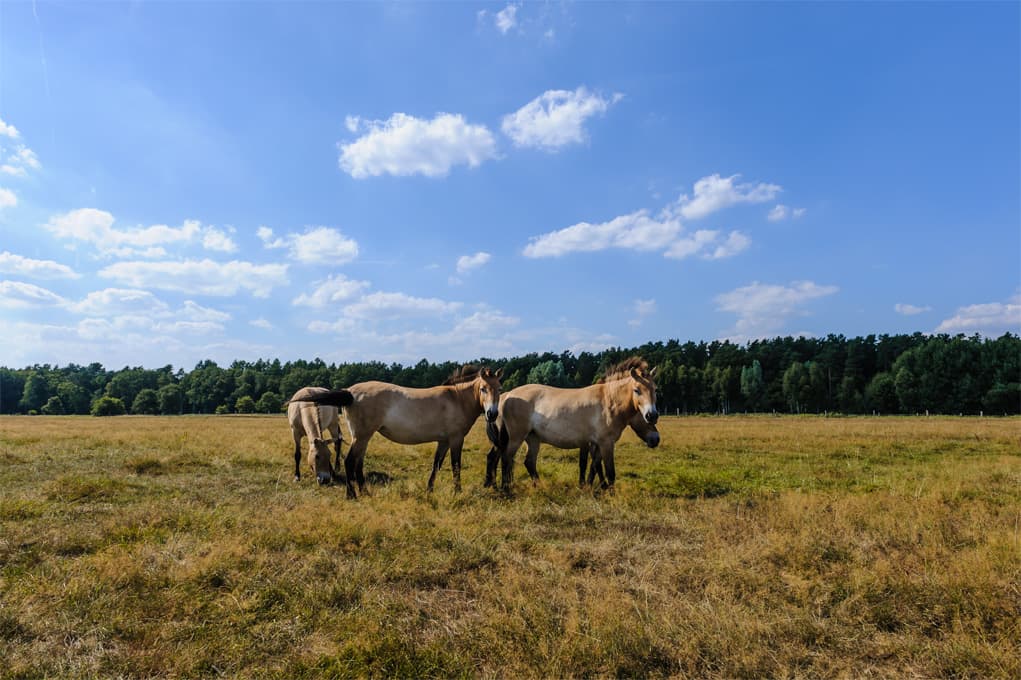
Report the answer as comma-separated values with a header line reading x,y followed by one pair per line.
x,y
466,373
623,369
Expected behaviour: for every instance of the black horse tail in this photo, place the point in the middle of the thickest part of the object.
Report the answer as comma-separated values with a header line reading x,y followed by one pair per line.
x,y
338,398
497,436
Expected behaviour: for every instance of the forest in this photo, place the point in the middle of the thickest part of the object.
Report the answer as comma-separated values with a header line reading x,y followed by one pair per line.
x,y
885,374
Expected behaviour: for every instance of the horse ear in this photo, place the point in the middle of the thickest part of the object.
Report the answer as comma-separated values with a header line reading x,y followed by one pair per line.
x,y
486,372
652,373
635,374
498,374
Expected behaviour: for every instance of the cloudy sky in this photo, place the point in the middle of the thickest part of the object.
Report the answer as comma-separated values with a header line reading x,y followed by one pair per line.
x,y
181,181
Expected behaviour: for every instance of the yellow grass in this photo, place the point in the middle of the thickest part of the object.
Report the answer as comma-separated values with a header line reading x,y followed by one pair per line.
x,y
743,546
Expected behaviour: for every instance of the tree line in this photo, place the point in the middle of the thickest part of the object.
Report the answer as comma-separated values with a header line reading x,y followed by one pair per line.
x,y
887,374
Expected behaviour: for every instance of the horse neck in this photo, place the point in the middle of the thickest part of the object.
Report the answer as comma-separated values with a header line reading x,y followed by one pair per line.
x,y
465,395
618,394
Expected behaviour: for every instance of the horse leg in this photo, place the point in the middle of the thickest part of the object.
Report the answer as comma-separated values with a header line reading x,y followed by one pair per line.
x,y
441,453
507,455
611,471
338,441
532,440
597,467
582,464
355,455
455,463
297,459
492,458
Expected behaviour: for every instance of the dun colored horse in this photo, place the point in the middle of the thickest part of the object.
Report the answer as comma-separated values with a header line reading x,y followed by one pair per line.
x,y
593,416
313,421
406,415
645,430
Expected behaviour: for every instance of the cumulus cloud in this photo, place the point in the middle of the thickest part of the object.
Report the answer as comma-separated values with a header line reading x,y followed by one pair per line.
x,y
262,323
735,243
20,295
11,263
317,245
992,318
466,263
7,130
8,199
335,289
96,228
714,193
636,231
406,145
781,212
555,118
763,309
398,305
199,277
909,310
115,301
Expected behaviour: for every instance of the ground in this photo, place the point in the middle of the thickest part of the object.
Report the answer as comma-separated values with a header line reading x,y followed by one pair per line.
x,y
743,546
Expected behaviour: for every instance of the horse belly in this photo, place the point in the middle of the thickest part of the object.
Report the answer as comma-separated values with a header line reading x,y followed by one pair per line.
x,y
563,432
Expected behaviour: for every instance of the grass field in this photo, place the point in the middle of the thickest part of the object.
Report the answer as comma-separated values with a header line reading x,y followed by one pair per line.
x,y
743,546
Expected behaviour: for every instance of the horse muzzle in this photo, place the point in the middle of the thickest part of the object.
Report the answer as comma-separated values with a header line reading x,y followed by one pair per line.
x,y
652,416
652,440
324,478
491,414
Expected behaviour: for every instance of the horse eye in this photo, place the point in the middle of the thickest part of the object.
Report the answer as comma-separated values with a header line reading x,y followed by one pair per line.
x,y
637,391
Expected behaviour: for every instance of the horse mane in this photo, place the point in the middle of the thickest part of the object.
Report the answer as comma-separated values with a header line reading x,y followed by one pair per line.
x,y
466,373
623,369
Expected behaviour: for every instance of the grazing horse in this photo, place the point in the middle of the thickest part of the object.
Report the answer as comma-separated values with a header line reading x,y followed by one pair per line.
x,y
313,421
406,415
568,418
645,430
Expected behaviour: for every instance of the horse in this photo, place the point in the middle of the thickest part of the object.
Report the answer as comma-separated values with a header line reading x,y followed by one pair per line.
x,y
645,430
567,418
443,414
312,421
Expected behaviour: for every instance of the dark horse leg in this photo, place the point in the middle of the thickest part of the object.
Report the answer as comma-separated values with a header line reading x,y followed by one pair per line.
x,y
532,440
597,467
455,463
582,464
492,459
353,466
441,453
297,461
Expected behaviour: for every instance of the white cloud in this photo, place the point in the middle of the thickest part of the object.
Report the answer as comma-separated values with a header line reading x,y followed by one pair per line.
x,y
910,310
714,193
485,322
8,130
780,212
317,245
20,161
261,323
196,313
506,18
991,318
352,123
200,277
96,228
398,305
8,199
334,289
323,245
763,309
637,231
643,309
405,145
736,243
119,301
697,243
20,295
344,326
555,118
37,269
466,263
215,239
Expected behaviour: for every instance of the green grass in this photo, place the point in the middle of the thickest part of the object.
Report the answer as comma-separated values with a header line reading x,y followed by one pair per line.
x,y
743,546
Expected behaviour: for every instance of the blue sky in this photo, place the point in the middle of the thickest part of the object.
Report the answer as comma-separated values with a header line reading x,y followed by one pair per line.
x,y
181,181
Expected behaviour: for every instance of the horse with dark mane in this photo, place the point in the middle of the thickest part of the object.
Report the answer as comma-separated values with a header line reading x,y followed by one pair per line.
x,y
311,420
588,418
443,414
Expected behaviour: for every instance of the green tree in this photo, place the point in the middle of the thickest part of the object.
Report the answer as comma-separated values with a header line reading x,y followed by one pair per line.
x,y
53,407
752,385
245,404
881,394
269,402
36,392
170,399
548,373
221,410
108,406
795,386
908,390
74,397
146,403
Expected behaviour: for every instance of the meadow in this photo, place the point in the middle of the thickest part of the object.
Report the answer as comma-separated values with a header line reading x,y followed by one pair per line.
x,y
749,546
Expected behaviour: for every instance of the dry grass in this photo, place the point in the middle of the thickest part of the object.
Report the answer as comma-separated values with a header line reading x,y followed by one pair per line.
x,y
744,546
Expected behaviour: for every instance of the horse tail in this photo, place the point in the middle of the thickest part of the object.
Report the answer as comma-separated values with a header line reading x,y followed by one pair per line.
x,y
338,398
497,436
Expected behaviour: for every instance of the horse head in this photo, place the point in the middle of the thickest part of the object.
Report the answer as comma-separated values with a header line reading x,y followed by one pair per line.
x,y
487,392
645,430
319,458
643,394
